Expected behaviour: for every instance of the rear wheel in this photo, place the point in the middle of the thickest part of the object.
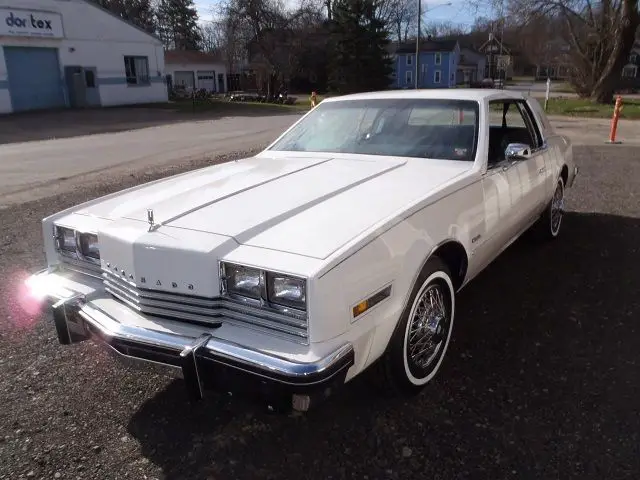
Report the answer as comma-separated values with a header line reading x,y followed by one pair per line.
x,y
548,225
419,343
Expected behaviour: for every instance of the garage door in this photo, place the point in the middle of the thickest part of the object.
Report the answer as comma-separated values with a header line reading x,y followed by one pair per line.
x,y
207,80
34,78
184,78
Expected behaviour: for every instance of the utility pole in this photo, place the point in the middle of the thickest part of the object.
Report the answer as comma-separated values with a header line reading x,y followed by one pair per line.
x,y
418,45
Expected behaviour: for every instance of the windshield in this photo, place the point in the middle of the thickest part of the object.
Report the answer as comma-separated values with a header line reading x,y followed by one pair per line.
x,y
423,128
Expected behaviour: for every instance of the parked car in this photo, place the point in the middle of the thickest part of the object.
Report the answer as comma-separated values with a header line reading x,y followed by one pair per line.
x,y
339,249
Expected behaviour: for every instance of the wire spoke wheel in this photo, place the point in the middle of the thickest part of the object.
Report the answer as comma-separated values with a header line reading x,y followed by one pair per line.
x,y
429,326
557,209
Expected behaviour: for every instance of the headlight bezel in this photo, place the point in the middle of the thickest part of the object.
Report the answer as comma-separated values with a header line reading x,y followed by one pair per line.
x,y
265,299
77,250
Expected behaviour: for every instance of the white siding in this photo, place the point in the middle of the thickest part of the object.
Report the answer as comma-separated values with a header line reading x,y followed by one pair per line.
x,y
93,38
219,68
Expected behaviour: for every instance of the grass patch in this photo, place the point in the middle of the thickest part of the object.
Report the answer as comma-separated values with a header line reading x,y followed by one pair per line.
x,y
577,107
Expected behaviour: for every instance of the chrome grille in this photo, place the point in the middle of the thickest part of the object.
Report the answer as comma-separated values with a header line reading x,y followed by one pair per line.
x,y
81,266
205,310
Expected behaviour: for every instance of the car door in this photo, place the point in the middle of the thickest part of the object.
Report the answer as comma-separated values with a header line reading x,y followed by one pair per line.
x,y
525,175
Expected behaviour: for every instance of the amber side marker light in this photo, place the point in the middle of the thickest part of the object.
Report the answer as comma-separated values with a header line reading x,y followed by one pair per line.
x,y
372,301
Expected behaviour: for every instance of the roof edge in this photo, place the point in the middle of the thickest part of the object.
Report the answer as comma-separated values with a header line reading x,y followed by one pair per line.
x,y
131,24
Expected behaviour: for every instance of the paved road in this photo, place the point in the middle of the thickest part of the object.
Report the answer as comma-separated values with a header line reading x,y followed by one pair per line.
x,y
542,379
538,89
595,131
33,170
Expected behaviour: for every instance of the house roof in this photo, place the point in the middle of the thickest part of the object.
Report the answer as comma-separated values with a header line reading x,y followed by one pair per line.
x,y
191,56
428,46
465,41
507,48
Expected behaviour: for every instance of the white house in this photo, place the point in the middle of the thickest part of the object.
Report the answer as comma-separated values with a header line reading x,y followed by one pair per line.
x,y
72,53
193,69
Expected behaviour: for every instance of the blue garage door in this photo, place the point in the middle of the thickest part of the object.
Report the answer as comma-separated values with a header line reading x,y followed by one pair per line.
x,y
34,78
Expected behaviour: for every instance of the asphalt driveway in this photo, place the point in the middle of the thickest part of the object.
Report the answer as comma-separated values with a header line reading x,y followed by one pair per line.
x,y
37,169
542,379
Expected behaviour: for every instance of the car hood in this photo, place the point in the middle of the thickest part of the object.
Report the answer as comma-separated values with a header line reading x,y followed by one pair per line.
x,y
301,205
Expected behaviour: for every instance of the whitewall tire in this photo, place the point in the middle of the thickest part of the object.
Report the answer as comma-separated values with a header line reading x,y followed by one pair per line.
x,y
550,222
420,341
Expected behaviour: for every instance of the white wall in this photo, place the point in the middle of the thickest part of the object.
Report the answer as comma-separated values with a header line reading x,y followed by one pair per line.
x,y
94,38
219,68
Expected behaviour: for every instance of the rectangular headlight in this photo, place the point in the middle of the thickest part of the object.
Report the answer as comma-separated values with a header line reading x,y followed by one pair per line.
x,y
242,280
89,245
65,239
287,291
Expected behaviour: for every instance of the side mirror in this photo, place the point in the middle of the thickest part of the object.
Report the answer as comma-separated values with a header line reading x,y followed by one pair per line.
x,y
517,151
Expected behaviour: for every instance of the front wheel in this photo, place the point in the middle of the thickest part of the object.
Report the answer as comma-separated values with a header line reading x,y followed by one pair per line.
x,y
419,343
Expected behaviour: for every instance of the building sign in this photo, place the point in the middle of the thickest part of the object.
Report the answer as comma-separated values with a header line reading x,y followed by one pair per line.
x,y
30,23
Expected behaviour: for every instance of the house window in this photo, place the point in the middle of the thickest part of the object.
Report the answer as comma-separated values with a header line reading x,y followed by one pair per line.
x,y
630,71
633,58
436,76
424,68
438,59
408,77
137,70
409,59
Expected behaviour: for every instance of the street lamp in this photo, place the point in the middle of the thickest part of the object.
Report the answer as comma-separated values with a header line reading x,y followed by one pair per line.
x,y
448,4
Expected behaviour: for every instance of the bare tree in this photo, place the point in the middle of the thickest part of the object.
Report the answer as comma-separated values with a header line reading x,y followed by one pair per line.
x,y
444,29
599,35
402,18
271,34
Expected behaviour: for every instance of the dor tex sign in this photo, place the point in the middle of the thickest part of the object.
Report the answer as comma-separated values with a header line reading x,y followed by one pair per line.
x,y
30,23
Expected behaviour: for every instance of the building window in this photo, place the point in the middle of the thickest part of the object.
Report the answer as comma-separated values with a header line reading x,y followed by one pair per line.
x,y
436,76
408,77
438,59
630,71
137,70
409,59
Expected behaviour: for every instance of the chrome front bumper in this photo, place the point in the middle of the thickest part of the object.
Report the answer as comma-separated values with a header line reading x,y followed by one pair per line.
x,y
203,361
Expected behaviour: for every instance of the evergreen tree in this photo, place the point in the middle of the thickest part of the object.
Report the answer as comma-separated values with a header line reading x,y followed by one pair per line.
x,y
360,60
178,24
138,12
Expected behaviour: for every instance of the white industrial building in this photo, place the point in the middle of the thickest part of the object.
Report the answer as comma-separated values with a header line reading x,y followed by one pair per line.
x,y
72,53
192,69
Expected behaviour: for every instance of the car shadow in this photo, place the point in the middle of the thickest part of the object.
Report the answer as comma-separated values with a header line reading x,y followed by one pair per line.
x,y
541,381
56,124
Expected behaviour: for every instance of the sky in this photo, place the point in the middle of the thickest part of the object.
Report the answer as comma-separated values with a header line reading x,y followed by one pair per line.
x,y
459,11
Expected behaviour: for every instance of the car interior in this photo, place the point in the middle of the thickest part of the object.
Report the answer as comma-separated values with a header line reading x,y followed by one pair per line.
x,y
392,135
513,129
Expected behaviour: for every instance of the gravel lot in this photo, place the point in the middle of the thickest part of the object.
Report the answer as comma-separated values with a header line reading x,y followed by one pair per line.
x,y
542,378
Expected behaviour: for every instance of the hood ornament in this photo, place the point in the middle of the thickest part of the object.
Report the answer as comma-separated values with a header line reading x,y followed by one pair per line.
x,y
150,218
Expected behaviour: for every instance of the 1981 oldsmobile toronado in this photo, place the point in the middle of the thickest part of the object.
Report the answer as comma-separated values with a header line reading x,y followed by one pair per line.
x,y
340,246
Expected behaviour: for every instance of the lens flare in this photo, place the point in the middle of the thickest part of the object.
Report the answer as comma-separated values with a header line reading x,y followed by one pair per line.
x,y
26,300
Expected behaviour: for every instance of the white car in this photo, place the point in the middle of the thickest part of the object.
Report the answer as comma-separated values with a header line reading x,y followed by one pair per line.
x,y
341,245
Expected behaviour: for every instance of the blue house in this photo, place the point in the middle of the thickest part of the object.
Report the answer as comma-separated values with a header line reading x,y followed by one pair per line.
x,y
439,60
